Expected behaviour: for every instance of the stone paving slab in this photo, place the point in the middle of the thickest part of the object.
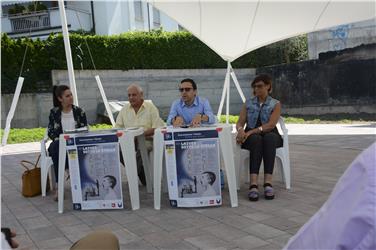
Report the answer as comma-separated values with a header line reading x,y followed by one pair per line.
x,y
317,162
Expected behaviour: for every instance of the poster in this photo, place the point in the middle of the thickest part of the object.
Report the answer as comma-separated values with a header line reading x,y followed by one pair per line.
x,y
94,167
193,165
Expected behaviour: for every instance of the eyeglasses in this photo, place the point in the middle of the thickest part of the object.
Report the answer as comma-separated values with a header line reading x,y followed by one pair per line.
x,y
258,86
185,89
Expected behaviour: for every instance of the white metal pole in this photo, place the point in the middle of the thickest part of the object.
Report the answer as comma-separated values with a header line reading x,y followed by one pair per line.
x,y
68,53
228,92
237,85
106,105
12,109
223,96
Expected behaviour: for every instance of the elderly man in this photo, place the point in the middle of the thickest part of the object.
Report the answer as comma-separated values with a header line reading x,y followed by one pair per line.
x,y
190,110
139,113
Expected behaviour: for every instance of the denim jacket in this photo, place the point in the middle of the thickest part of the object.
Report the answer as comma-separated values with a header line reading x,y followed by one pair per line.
x,y
253,110
54,126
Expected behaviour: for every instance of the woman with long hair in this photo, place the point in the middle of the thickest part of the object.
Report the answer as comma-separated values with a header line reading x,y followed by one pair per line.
x,y
63,116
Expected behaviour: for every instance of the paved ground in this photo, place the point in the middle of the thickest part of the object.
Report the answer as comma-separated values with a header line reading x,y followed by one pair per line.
x,y
319,155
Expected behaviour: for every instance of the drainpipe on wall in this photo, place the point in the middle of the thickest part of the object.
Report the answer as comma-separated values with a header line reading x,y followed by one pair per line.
x,y
92,15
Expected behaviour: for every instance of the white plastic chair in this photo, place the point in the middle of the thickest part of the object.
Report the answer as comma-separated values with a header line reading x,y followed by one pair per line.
x,y
164,174
45,166
282,155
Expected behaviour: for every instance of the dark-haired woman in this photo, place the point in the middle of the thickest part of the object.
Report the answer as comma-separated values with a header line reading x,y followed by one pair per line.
x,y
260,137
64,116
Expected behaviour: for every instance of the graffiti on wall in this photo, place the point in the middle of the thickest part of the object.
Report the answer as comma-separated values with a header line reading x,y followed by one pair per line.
x,y
339,37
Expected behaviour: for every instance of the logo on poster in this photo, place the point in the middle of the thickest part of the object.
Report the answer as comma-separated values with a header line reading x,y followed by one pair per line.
x,y
168,136
113,205
120,204
218,201
211,202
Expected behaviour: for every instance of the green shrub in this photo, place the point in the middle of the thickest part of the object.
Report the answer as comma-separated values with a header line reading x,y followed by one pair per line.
x,y
17,9
232,119
36,6
131,50
99,126
21,135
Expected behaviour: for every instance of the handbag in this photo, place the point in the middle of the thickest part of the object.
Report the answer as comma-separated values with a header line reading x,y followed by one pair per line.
x,y
31,182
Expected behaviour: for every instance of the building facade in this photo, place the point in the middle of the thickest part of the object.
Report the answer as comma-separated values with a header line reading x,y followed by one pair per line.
x,y
26,19
341,37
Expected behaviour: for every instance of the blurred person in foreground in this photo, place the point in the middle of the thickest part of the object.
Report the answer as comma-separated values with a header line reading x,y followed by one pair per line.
x,y
347,220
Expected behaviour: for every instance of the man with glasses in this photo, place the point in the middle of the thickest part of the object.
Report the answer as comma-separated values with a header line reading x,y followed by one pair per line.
x,y
190,109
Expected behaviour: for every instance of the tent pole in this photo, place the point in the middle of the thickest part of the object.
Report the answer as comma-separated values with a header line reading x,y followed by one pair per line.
x,y
12,109
68,52
106,105
228,92
233,76
219,113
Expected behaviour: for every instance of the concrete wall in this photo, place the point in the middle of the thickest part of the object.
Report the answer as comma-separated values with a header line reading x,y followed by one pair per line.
x,y
32,110
315,87
341,37
161,86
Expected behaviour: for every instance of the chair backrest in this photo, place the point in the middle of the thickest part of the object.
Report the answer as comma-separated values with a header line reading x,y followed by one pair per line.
x,y
285,135
283,126
43,142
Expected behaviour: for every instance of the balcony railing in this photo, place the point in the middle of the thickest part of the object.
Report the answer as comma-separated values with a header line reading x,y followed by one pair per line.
x,y
32,21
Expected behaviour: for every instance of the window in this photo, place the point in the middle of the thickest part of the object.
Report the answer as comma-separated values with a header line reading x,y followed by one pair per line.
x,y
138,10
156,17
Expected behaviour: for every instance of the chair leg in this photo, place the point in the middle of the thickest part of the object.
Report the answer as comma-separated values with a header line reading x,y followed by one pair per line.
x,y
285,170
44,173
164,177
52,177
287,173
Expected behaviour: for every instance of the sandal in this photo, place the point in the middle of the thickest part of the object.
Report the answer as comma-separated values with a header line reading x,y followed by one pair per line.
x,y
253,194
268,191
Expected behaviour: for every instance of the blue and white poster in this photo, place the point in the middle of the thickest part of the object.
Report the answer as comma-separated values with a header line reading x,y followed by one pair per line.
x,y
94,166
193,165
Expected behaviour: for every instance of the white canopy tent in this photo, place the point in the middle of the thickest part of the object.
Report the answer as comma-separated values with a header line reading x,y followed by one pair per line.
x,y
234,28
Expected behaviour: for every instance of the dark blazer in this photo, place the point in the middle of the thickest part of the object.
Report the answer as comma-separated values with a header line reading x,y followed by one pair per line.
x,y
54,126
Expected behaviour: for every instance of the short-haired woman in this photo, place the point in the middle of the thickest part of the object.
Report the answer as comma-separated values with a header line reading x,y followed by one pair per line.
x,y
260,137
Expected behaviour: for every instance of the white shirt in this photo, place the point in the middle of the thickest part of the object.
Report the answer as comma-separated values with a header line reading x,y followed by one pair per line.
x,y
67,121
